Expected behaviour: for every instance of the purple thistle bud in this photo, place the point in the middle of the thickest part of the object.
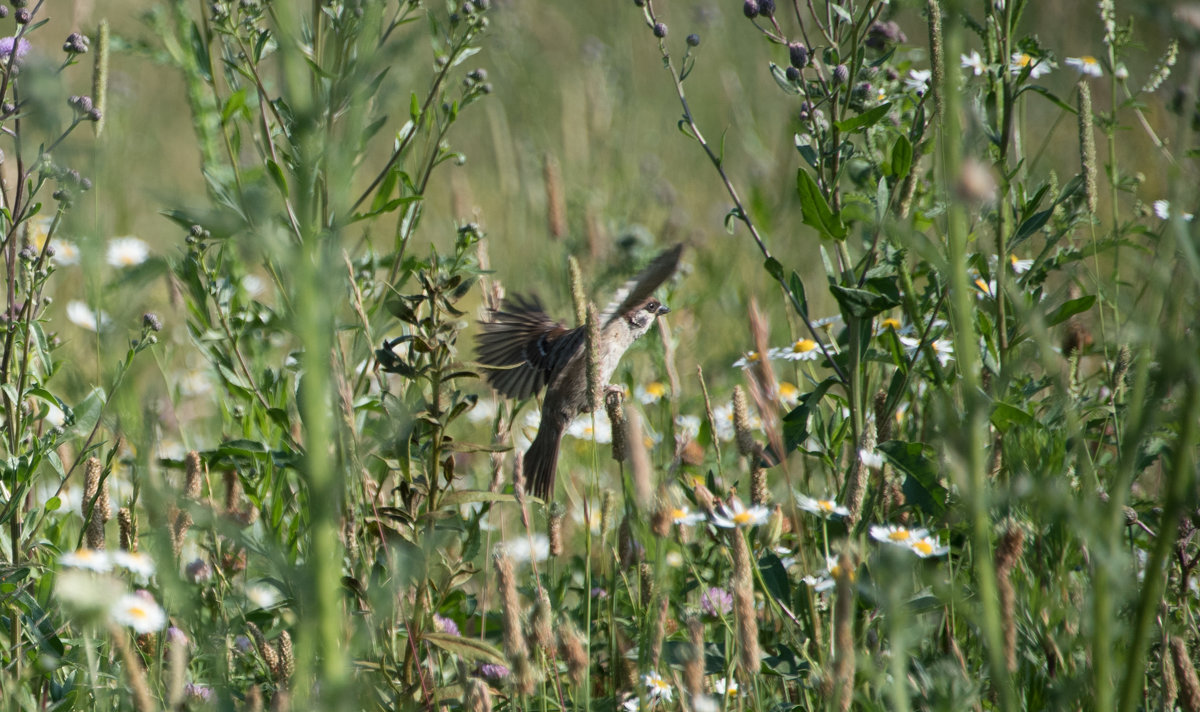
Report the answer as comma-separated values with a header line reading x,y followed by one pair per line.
x,y
23,16
3,11
750,8
445,625
151,321
660,30
198,571
766,8
798,54
94,115
75,44
884,34
792,74
693,40
493,671
176,636
805,111
841,75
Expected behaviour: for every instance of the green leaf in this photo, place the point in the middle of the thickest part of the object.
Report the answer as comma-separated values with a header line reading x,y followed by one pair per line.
x,y
870,117
1030,226
922,486
278,177
782,80
86,414
1069,309
1004,416
795,423
902,154
815,210
466,648
862,303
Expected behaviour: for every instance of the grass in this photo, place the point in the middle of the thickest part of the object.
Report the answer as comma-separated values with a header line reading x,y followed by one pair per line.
x,y
919,431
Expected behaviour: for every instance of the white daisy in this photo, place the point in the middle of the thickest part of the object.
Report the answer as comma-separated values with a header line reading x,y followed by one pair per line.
x,y
96,560
1020,266
79,314
735,515
826,507
873,459
65,252
584,428
127,251
726,687
683,516
687,426
918,80
651,393
897,535
262,595
928,546
135,562
789,394
802,350
974,62
526,548
657,688
140,612
747,360
1037,67
1086,65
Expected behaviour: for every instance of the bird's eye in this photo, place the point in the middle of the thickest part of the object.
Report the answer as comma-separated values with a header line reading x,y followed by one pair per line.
x,y
652,305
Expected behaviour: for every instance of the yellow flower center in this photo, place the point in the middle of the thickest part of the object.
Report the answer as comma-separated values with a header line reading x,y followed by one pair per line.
x,y
656,389
803,346
1024,60
1089,60
752,356
890,323
899,535
742,518
787,390
983,286
1013,259
825,505
139,612
924,547
678,514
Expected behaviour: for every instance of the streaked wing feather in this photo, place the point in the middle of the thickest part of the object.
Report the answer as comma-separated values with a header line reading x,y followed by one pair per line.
x,y
641,287
521,347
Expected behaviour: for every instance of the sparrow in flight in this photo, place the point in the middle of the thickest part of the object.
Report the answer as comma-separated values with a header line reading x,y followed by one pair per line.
x,y
523,350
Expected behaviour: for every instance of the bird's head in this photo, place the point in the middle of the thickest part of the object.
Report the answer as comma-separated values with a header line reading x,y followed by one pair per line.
x,y
641,319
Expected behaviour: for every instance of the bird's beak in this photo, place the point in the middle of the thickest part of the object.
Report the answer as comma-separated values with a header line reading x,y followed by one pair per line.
x,y
663,309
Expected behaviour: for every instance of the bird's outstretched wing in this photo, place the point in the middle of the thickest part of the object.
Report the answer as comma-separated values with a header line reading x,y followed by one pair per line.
x,y
640,288
520,347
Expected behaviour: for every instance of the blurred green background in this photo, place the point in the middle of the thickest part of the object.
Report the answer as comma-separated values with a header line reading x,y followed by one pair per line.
x,y
578,85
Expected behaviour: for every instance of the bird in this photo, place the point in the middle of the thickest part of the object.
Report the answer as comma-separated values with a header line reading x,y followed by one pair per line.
x,y
521,350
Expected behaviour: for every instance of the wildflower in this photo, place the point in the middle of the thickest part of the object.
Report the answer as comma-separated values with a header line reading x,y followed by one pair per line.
x,y
974,62
135,562
1037,66
127,251
687,427
747,360
262,596
79,314
175,636
897,535
685,517
1162,210
55,416
526,548
1121,72
96,560
651,393
1086,65
802,350
583,427
918,80
138,611
927,546
942,348
819,584
1020,266
881,35
656,687
6,49
599,593
716,602
66,253
445,625
872,459
789,394
726,687
824,508
987,288
892,323
827,579
735,515
493,671
198,692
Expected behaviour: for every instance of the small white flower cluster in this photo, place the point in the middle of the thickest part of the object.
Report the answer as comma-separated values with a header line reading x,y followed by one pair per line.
x,y
83,586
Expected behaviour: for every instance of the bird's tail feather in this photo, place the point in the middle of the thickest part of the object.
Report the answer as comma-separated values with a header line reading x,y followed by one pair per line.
x,y
541,462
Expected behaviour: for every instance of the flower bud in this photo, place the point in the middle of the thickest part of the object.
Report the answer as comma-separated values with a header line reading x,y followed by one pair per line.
x,y
750,8
660,30
798,54
693,40
841,75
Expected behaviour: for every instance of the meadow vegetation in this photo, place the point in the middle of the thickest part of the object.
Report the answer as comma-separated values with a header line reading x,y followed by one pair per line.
x,y
919,432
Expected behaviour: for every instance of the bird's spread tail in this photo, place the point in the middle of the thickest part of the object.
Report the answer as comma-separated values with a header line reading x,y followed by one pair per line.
x,y
541,461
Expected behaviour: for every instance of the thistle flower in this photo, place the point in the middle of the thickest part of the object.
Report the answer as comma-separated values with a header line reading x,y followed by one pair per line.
x,y
7,46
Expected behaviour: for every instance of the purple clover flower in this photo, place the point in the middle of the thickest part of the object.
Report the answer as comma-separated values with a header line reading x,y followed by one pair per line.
x,y
493,671
198,692
445,625
716,602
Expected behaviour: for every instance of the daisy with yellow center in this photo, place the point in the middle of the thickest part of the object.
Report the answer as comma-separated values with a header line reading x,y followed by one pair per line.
x,y
138,611
1037,67
736,515
1086,65
657,688
789,393
127,251
747,360
891,323
927,546
986,288
802,350
685,517
896,534
825,508
1020,266
90,559
651,393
